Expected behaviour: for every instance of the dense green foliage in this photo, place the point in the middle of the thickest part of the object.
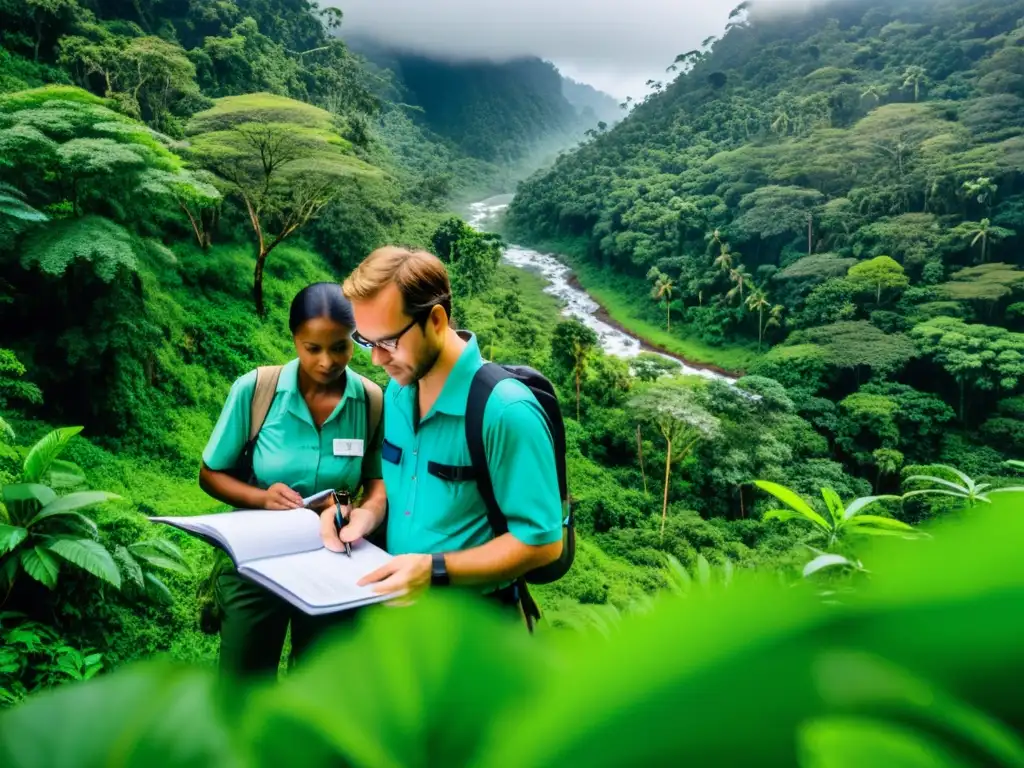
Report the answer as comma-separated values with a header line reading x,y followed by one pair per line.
x,y
907,669
794,147
165,167
841,186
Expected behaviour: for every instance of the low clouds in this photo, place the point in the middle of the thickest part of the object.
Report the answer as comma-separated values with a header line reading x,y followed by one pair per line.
x,y
613,44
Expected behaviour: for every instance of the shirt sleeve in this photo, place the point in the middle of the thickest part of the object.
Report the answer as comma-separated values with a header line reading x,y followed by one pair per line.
x,y
372,456
522,467
231,432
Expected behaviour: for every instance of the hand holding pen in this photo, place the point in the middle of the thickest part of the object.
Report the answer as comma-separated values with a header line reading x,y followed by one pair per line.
x,y
342,515
341,524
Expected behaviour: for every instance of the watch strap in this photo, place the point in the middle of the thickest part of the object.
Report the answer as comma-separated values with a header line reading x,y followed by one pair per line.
x,y
438,570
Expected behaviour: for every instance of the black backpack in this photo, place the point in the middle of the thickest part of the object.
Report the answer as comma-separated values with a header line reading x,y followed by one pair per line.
x,y
486,378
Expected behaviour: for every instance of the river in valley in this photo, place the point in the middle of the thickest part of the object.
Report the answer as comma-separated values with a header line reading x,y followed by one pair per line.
x,y
576,302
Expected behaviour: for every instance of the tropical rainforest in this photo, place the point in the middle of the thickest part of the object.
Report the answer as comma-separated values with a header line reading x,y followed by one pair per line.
x,y
811,559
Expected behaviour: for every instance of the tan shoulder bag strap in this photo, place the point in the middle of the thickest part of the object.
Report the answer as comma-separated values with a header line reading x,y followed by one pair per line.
x,y
262,397
374,408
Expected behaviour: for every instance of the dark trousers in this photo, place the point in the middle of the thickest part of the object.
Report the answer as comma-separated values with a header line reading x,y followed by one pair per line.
x,y
255,622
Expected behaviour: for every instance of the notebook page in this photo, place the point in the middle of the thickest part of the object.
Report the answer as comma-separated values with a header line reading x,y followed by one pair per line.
x,y
258,533
322,579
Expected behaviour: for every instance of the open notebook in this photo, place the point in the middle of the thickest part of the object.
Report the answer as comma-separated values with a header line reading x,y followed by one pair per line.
x,y
282,551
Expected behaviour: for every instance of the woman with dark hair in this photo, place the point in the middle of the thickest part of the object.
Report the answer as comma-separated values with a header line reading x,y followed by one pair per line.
x,y
315,436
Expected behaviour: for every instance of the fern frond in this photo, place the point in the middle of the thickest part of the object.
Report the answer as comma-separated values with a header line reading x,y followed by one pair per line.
x,y
108,246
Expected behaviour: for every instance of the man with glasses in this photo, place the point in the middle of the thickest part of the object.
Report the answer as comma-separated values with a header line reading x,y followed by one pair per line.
x,y
437,521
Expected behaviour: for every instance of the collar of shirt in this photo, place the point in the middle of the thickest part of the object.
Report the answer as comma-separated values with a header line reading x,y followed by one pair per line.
x,y
288,385
455,392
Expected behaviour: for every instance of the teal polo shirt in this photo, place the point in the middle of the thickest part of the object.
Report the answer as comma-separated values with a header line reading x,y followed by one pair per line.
x,y
427,514
290,449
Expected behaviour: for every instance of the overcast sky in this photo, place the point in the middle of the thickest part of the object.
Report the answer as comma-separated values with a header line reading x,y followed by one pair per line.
x,y
615,45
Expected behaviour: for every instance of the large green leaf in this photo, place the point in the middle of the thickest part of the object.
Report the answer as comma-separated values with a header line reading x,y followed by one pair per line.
x,y
66,518
10,537
460,655
90,556
46,451
926,491
24,500
856,681
41,566
9,568
76,501
157,590
161,553
854,742
961,490
130,569
64,474
857,505
167,564
158,716
826,561
788,497
783,515
703,571
880,522
834,504
967,480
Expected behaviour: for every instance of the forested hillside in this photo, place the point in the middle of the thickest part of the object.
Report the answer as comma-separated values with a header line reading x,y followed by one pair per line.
x,y
494,111
840,191
483,125
831,201
797,146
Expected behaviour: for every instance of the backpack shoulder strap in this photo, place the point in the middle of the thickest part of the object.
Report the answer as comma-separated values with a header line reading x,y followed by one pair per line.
x,y
484,381
374,408
262,396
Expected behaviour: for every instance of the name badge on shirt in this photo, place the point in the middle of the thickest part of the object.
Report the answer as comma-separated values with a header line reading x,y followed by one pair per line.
x,y
348,447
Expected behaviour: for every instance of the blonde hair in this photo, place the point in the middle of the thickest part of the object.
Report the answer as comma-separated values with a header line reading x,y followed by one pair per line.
x,y
421,279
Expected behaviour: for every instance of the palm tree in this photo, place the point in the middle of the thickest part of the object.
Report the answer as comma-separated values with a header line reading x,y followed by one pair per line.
x,y
758,300
983,189
780,124
724,259
571,346
662,291
915,76
875,92
775,317
983,232
898,151
740,276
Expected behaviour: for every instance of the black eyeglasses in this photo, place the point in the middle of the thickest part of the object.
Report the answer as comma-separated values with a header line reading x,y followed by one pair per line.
x,y
390,344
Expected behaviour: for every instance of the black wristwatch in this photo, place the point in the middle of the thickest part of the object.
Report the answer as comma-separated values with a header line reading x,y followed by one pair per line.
x,y
438,570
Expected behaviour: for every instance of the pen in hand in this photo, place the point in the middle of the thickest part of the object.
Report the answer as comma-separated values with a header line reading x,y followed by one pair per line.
x,y
341,516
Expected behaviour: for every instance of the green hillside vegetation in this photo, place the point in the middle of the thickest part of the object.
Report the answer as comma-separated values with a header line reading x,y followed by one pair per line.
x,y
838,188
794,145
148,254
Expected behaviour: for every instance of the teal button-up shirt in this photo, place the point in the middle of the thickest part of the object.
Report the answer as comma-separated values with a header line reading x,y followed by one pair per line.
x,y
427,514
290,449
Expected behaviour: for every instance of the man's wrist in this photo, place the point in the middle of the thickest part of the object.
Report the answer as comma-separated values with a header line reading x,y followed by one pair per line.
x,y
439,570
